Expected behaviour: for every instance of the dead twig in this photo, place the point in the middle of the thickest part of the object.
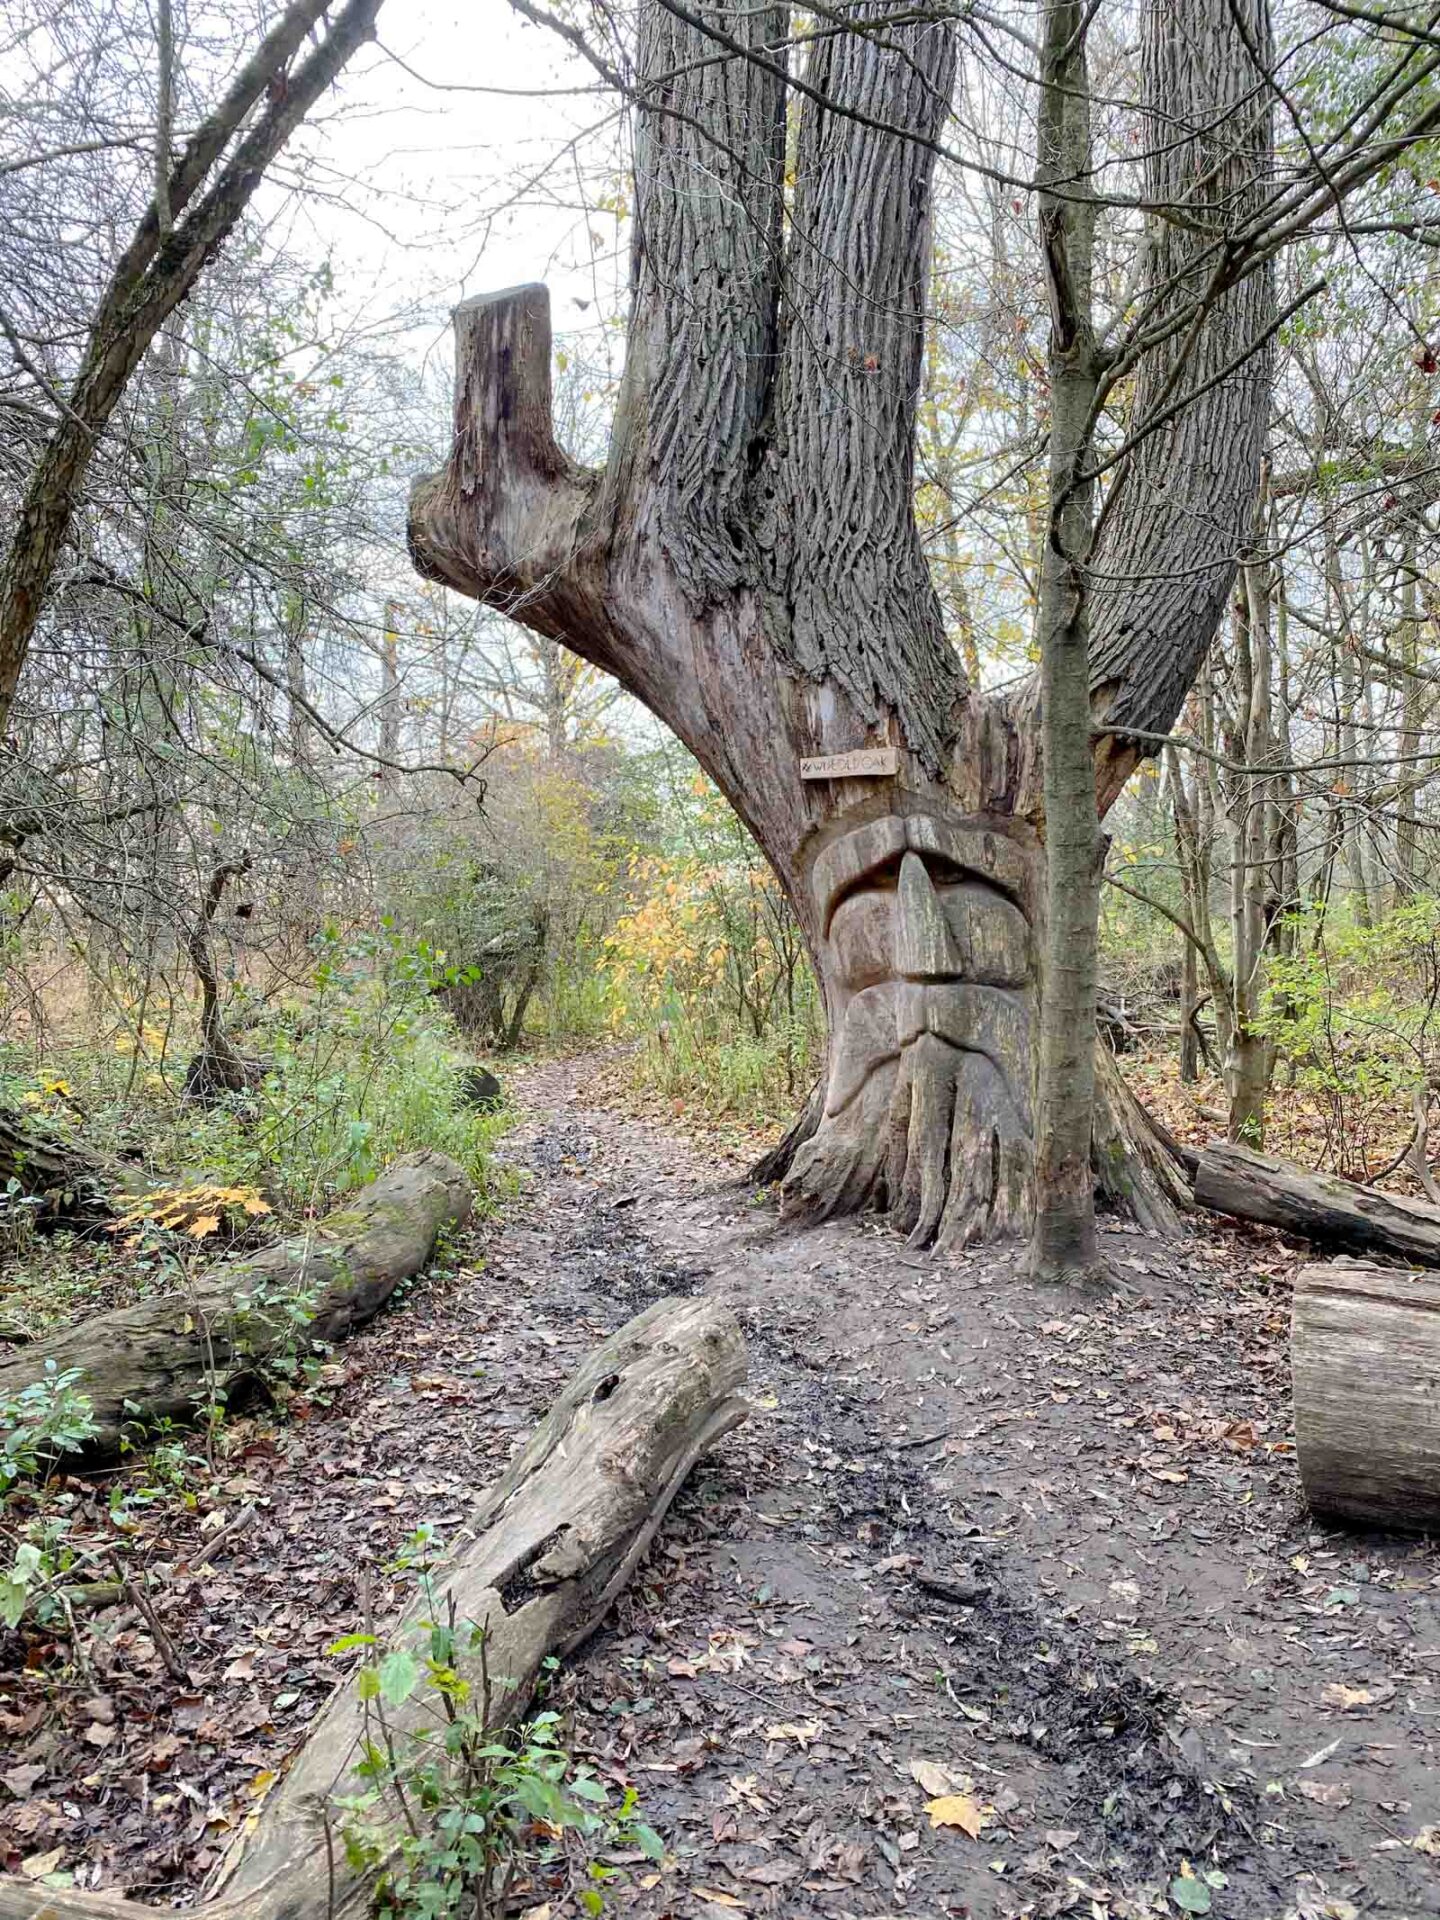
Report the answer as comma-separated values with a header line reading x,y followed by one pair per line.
x,y
140,1600
225,1537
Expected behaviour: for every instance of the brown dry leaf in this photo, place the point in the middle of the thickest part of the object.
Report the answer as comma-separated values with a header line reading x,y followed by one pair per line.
x,y
802,1732
207,1223
1327,1793
936,1780
39,1864
959,1810
99,1735
1337,1694
718,1899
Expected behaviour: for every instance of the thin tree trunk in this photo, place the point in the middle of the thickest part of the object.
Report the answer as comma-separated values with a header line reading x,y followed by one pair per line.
x,y
1063,1245
152,277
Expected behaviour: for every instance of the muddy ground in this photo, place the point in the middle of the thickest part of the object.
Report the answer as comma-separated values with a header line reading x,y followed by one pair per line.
x,y
1040,1558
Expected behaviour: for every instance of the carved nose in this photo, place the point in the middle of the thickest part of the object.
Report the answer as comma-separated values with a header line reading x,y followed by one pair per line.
x,y
924,948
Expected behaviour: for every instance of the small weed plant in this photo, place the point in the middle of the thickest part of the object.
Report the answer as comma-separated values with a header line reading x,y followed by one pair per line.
x,y
451,1813
50,1417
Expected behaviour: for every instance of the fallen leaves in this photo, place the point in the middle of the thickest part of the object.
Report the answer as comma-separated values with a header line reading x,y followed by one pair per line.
x,y
39,1866
1327,1793
959,1810
1350,1699
802,1732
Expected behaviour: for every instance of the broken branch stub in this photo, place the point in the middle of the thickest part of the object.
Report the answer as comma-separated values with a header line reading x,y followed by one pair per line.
x,y
537,1566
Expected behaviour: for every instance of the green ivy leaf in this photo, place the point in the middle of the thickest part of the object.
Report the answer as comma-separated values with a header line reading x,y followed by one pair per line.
x,y
1189,1894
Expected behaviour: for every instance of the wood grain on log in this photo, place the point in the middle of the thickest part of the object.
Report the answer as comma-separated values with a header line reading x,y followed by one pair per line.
x,y
538,1564
1319,1206
1365,1355
167,1358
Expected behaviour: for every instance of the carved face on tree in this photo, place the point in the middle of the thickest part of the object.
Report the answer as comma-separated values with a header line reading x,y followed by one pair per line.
x,y
748,561
926,922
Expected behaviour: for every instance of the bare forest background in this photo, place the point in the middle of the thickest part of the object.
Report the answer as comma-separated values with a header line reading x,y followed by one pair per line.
x,y
442,833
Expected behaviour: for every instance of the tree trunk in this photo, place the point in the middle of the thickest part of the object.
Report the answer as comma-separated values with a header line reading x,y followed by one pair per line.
x,y
1317,1206
542,1558
1365,1356
747,563
1189,1013
171,1358
1064,1244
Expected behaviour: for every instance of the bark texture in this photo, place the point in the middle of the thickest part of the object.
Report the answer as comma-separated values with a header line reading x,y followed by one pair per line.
x,y
1064,1244
1166,557
1318,1206
747,563
169,1358
1365,1357
540,1561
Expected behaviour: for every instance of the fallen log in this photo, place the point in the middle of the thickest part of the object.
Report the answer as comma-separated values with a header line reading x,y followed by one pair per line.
x,y
68,1182
172,1357
1318,1206
1140,1168
1365,1357
538,1564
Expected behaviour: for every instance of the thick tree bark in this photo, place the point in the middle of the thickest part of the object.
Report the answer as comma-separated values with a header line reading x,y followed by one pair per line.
x,y
539,1563
168,1359
1318,1206
1365,1356
747,564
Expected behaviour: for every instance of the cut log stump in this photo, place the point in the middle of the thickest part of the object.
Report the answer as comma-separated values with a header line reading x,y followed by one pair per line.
x,y
167,1359
1318,1206
542,1557
1365,1355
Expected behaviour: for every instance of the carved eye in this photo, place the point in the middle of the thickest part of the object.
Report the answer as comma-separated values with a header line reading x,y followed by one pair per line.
x,y
862,936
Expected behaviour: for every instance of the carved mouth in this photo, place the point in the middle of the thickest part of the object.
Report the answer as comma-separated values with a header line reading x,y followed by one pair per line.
x,y
882,1021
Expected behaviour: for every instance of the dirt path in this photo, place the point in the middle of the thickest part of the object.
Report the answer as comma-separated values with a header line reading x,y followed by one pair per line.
x,y
977,1538
1043,1556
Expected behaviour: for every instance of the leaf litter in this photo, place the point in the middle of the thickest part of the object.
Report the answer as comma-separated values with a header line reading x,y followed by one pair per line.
x,y
1000,1604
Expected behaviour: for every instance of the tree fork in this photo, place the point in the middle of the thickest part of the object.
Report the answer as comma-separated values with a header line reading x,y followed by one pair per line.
x,y
748,565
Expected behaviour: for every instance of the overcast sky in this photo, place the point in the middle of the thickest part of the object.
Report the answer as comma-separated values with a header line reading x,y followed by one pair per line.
x,y
463,173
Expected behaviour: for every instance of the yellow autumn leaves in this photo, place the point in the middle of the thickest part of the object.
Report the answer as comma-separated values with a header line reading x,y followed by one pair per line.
x,y
194,1211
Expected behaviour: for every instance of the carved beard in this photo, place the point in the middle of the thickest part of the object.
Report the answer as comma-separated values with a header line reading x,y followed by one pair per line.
x,y
927,955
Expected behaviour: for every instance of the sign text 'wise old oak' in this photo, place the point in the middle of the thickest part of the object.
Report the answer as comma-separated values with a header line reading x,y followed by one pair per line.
x,y
863,762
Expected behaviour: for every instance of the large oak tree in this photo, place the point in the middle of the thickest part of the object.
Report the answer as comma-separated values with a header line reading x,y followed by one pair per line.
x,y
747,562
